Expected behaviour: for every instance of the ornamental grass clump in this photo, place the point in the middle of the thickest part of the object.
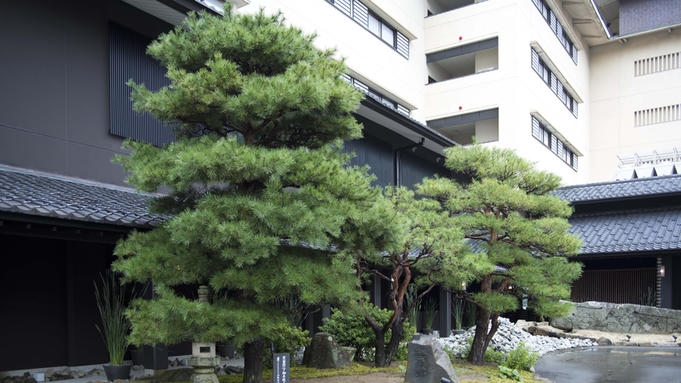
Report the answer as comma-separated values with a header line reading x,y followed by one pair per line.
x,y
111,303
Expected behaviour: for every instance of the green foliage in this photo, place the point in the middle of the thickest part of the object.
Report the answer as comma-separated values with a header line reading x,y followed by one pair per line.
x,y
112,302
471,311
430,310
352,330
409,297
284,339
521,358
519,227
494,356
509,373
457,312
491,355
258,188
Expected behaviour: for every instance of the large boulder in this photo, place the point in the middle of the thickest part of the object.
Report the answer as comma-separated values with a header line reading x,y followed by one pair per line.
x,y
324,352
428,363
622,318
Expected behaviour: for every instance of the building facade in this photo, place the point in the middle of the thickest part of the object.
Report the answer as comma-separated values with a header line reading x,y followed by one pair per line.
x,y
570,84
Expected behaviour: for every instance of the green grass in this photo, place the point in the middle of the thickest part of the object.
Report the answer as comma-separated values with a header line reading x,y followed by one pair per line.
x,y
472,373
300,372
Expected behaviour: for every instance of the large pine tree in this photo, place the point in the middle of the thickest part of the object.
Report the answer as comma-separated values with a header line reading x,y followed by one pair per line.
x,y
259,197
517,229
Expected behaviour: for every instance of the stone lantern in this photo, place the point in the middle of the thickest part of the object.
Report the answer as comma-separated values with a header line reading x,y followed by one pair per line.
x,y
203,357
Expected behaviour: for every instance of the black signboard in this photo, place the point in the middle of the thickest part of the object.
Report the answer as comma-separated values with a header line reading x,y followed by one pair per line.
x,y
281,369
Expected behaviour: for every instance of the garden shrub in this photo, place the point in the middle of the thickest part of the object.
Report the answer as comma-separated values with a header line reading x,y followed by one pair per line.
x,y
284,339
352,330
522,358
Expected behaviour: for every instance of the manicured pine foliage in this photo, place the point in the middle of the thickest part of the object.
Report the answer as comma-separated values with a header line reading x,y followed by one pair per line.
x,y
428,254
519,230
257,188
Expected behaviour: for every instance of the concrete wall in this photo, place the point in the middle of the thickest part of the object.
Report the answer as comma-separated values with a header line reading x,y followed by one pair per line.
x,y
514,88
368,58
616,93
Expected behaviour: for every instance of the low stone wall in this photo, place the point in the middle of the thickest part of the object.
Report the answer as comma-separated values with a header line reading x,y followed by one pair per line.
x,y
622,318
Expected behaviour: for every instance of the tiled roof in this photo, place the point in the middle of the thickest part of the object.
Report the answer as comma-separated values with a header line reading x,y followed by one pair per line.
x,y
41,194
621,189
629,231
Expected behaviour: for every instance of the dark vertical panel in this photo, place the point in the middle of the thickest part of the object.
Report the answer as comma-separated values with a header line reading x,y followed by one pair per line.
x,y
128,60
614,286
85,262
375,153
413,169
33,296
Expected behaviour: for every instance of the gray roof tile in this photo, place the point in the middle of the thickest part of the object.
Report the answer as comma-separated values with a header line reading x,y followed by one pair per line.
x,y
621,189
41,194
628,231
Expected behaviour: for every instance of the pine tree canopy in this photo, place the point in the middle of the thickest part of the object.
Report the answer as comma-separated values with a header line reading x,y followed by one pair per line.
x,y
261,202
518,230
251,75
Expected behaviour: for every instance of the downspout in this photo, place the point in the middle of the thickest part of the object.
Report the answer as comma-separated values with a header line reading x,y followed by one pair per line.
x,y
397,160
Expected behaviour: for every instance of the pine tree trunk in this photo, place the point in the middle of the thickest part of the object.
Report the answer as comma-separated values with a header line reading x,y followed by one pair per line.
x,y
480,342
253,361
394,344
379,344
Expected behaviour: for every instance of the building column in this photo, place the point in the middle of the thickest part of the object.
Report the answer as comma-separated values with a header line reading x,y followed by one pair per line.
x,y
445,313
376,291
665,281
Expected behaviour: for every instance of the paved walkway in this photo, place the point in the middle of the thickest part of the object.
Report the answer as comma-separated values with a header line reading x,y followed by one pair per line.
x,y
613,364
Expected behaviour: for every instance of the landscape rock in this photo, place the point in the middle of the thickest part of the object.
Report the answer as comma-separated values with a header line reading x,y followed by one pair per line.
x,y
509,336
324,352
603,341
428,363
620,318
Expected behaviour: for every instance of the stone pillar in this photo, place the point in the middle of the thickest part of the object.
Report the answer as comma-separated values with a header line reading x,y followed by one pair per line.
x,y
203,357
445,313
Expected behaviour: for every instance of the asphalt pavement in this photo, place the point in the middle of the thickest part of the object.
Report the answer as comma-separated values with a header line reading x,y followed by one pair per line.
x,y
613,364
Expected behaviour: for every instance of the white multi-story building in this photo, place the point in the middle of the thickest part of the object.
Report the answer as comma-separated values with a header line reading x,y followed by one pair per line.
x,y
569,84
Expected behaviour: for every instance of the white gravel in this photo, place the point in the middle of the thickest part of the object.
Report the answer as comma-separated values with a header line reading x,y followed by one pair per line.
x,y
509,336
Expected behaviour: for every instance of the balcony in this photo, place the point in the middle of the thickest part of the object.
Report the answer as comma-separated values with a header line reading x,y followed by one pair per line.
x,y
465,60
483,125
435,7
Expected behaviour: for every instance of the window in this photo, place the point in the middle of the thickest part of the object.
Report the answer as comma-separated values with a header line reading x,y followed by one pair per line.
x,y
375,95
551,141
557,28
557,87
359,12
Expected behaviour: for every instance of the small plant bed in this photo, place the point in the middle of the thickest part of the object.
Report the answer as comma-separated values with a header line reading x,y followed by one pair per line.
x,y
488,372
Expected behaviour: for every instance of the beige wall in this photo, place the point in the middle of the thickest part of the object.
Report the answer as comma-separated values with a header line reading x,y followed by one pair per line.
x,y
514,88
616,94
368,58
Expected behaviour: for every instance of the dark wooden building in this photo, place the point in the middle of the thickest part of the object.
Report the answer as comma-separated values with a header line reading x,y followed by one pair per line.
x,y
632,246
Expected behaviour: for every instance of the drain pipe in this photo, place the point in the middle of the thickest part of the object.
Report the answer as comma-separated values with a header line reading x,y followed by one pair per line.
x,y
397,160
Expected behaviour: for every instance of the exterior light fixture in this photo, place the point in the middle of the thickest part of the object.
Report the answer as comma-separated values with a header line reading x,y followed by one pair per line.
x,y
660,271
